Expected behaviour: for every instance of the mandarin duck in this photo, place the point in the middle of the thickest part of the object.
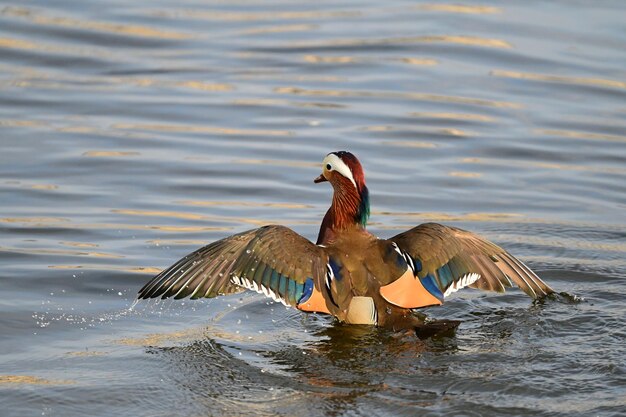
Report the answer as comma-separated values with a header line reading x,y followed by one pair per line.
x,y
349,273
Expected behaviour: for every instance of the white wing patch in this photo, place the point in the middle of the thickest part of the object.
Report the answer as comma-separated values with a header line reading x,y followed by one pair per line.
x,y
407,258
259,288
330,276
467,279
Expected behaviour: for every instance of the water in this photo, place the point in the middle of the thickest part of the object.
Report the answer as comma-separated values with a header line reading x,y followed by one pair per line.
x,y
134,132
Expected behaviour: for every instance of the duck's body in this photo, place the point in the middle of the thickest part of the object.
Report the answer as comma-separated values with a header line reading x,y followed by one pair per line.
x,y
349,273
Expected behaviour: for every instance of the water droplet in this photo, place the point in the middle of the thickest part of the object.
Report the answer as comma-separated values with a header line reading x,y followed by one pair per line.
x,y
248,251
119,293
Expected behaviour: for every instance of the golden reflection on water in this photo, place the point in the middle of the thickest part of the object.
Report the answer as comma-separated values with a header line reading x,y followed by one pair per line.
x,y
261,102
451,39
16,44
563,242
79,244
228,219
581,135
31,380
60,49
454,132
104,83
109,154
292,77
173,214
199,85
20,184
21,123
278,162
203,14
600,82
36,220
437,216
78,129
577,262
205,203
115,28
280,29
461,174
62,252
419,61
199,333
397,95
169,242
41,84
454,116
546,165
317,104
200,129
184,229
317,59
457,8
135,269
158,339
66,224
280,102
409,144
445,131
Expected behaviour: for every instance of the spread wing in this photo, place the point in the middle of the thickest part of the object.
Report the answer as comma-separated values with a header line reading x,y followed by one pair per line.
x,y
447,259
273,260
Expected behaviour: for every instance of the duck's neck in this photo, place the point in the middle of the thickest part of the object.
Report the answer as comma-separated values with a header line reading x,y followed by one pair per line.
x,y
350,209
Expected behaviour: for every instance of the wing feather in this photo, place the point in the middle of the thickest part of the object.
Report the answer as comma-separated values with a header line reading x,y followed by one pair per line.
x,y
450,255
273,260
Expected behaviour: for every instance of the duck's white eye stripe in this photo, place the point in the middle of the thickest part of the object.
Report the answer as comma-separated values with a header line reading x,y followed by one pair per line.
x,y
338,165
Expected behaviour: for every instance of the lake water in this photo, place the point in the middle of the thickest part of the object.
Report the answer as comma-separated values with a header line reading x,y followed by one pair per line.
x,y
132,133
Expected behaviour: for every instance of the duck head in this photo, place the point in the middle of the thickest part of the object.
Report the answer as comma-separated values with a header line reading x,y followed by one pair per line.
x,y
350,206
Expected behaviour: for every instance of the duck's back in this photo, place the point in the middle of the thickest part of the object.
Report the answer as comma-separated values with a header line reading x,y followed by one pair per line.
x,y
359,265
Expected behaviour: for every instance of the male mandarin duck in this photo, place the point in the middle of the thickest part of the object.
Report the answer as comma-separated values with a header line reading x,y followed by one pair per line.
x,y
349,273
